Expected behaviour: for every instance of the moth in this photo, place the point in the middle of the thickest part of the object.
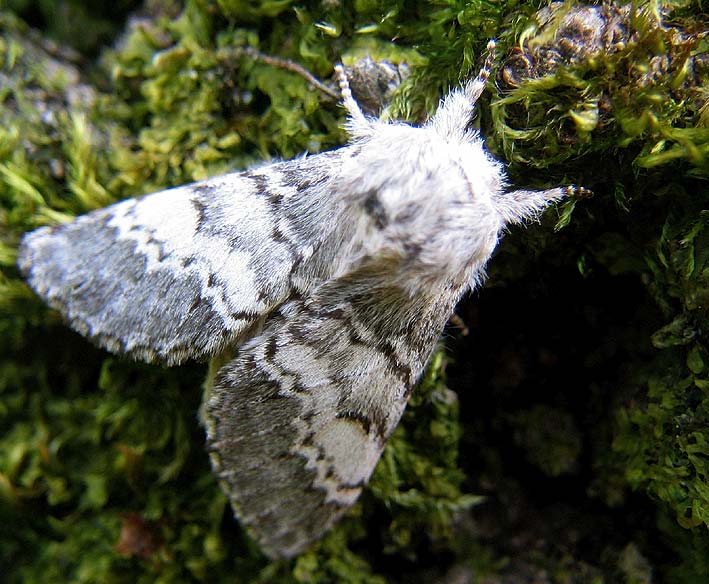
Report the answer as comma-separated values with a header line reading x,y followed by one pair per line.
x,y
320,284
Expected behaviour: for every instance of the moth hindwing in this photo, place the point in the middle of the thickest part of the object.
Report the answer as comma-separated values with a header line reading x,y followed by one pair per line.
x,y
326,279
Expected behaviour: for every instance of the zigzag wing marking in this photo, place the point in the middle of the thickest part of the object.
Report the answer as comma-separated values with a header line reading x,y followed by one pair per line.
x,y
186,272
297,422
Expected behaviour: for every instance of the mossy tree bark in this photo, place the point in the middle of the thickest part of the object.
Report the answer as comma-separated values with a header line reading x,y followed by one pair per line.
x,y
578,404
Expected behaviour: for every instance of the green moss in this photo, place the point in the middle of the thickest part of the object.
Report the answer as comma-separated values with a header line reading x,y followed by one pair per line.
x,y
662,442
615,77
103,475
550,437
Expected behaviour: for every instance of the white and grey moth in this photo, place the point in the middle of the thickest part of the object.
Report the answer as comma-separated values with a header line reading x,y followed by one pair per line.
x,y
322,283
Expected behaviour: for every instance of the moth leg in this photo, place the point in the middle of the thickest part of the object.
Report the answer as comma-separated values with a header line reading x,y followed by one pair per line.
x,y
455,112
474,87
518,206
358,124
456,321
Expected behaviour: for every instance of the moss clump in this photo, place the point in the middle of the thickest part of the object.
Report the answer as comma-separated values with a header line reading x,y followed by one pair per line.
x,y
616,76
662,442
